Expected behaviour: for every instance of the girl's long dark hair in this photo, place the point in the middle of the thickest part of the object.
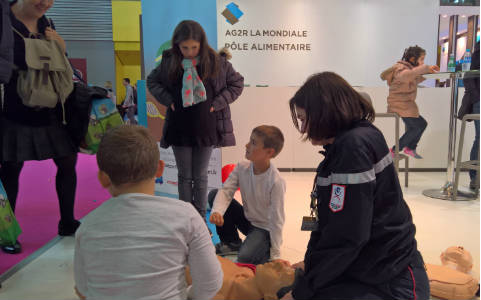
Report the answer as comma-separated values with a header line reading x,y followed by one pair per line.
x,y
208,58
413,51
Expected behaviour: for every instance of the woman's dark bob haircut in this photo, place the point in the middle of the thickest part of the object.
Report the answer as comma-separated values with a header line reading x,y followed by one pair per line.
x,y
331,104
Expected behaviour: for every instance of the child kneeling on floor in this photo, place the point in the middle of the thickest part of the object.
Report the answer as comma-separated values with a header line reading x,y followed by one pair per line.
x,y
261,217
137,245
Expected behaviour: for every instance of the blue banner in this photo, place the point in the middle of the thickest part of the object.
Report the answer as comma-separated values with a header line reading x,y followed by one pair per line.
x,y
159,19
141,103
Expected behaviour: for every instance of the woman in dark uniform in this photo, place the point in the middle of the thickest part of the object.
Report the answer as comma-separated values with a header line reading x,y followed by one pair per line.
x,y
362,244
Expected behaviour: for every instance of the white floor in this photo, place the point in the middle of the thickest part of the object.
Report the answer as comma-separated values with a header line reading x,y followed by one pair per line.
x,y
439,223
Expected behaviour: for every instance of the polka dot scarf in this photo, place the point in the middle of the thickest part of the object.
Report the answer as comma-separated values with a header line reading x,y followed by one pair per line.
x,y
193,90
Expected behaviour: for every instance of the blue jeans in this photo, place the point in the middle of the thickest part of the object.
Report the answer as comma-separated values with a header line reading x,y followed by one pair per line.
x,y
475,149
256,247
192,164
414,130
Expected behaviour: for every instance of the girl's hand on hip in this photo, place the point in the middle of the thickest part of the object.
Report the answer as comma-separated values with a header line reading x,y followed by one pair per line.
x,y
172,107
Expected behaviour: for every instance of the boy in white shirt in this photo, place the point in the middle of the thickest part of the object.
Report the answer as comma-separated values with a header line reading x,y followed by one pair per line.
x,y
261,216
137,245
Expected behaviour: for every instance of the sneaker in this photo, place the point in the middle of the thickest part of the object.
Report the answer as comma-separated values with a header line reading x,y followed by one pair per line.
x,y
68,229
412,153
12,249
224,249
392,152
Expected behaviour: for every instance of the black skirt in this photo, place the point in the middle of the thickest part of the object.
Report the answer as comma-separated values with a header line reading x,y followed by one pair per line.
x,y
19,142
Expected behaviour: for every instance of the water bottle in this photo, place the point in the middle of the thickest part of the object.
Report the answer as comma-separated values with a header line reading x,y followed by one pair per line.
x,y
467,60
451,64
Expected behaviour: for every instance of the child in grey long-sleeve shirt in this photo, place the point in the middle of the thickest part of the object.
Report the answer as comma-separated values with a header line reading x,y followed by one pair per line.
x,y
137,245
261,217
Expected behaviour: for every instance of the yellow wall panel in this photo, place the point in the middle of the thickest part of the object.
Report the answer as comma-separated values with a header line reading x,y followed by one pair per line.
x,y
129,57
125,21
122,71
126,37
132,72
127,46
119,71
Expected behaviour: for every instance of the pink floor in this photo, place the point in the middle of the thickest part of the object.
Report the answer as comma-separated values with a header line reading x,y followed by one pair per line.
x,y
37,205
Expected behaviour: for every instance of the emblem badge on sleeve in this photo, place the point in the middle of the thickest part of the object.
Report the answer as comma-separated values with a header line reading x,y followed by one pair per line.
x,y
338,194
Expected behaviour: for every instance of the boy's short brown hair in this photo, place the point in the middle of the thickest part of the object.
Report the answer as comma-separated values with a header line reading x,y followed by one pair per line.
x,y
128,154
271,136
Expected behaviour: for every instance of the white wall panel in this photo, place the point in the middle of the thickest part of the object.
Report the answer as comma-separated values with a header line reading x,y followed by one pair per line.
x,y
270,105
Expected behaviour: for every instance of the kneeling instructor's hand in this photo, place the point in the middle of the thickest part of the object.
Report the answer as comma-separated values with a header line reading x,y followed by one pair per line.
x,y
216,219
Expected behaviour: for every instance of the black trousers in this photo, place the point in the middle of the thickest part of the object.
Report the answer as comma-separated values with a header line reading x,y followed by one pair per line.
x,y
234,219
65,183
256,247
411,283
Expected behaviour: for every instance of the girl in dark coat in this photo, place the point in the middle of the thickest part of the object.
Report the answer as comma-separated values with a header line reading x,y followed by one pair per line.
x,y
197,85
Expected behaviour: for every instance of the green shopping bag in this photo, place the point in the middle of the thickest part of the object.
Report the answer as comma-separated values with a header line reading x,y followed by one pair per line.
x,y
104,116
9,228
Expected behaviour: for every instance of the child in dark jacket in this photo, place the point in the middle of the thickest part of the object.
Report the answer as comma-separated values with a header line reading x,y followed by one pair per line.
x,y
197,85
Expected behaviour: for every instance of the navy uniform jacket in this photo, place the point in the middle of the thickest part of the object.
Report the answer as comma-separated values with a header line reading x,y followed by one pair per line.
x,y
365,229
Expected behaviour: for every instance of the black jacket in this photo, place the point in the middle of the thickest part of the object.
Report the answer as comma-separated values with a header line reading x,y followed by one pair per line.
x,y
6,42
196,125
365,228
471,86
13,108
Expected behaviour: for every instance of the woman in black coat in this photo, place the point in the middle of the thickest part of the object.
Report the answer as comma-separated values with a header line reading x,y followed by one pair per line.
x,y
35,133
470,105
197,85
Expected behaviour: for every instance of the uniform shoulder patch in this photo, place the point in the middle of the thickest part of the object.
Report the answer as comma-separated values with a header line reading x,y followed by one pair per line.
x,y
338,194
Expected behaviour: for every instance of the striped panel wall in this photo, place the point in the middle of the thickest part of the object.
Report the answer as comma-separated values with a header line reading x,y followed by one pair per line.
x,y
83,20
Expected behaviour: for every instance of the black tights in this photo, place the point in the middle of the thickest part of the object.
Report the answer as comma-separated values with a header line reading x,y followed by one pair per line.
x,y
65,183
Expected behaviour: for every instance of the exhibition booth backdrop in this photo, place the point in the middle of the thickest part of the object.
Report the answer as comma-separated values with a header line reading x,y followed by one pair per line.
x,y
159,19
276,45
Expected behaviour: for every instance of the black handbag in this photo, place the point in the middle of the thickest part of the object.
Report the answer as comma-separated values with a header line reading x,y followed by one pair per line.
x,y
78,106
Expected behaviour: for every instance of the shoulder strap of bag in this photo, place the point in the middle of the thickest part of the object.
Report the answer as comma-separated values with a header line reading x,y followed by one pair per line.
x,y
42,36
22,36
18,32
